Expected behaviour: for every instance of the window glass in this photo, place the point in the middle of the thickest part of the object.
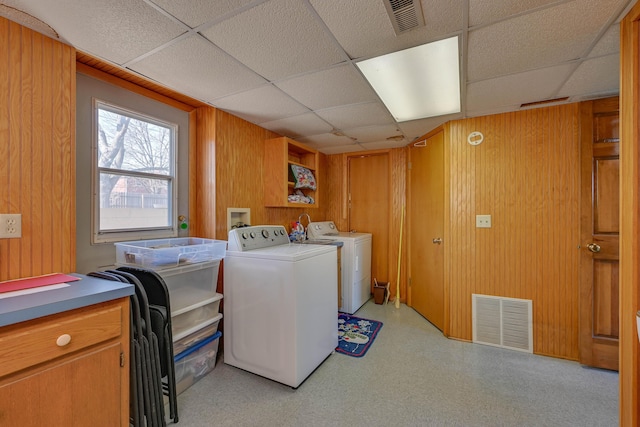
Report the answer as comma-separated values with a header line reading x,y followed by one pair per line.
x,y
135,180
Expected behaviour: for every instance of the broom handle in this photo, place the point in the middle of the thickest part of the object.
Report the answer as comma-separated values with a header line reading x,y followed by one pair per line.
x,y
397,301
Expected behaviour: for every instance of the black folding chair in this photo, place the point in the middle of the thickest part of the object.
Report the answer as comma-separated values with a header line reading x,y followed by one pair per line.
x,y
150,355
137,366
160,309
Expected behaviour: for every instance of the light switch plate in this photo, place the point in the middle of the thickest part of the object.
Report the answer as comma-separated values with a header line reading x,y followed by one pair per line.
x,y
483,221
10,226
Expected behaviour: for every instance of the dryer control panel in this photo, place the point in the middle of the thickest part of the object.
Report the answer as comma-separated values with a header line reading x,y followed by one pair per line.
x,y
257,237
318,230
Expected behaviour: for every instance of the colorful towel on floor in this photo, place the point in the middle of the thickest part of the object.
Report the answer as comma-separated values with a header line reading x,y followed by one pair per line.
x,y
355,335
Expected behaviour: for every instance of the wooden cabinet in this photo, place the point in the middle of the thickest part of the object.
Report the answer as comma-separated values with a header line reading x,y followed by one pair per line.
x,y
67,369
279,183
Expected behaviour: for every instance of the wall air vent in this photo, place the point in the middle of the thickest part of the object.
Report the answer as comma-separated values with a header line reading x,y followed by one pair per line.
x,y
502,322
405,15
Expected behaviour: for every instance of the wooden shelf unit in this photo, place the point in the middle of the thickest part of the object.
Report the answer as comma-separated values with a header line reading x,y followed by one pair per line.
x,y
279,155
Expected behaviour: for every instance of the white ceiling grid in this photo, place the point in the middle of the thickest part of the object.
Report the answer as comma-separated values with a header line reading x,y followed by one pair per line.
x,y
289,65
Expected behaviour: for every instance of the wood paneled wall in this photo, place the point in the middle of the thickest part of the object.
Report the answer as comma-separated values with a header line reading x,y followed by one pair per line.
x,y
526,175
229,158
37,151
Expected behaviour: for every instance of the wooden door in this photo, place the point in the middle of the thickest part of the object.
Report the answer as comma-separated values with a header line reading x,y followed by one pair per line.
x,y
369,207
426,222
599,269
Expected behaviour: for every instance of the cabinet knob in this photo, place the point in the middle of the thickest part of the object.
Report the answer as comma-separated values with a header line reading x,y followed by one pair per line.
x,y
63,340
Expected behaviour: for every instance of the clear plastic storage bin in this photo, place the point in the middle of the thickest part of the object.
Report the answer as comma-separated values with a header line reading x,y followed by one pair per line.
x,y
167,253
190,321
193,321
196,362
181,344
190,285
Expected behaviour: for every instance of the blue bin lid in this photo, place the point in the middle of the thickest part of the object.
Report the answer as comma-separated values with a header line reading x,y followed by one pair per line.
x,y
197,346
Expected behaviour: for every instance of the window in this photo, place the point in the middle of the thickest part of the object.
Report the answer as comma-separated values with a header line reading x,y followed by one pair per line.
x,y
135,181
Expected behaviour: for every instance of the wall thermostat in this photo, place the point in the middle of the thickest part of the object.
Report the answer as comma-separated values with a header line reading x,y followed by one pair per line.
x,y
475,138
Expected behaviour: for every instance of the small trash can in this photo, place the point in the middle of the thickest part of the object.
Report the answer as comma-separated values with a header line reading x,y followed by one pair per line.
x,y
379,292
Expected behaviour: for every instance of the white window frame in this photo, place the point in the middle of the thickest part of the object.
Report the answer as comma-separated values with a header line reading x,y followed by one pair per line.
x,y
107,236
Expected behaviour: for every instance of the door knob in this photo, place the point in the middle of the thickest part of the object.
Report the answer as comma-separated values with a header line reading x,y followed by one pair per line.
x,y
437,240
594,247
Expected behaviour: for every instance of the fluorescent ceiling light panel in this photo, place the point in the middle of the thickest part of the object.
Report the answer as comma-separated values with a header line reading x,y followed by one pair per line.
x,y
423,81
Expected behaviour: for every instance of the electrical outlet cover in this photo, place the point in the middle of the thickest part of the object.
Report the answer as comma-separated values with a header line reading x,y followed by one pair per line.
x,y
10,226
483,221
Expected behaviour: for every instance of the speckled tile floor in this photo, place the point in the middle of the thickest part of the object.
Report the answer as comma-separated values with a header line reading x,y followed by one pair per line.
x,y
411,376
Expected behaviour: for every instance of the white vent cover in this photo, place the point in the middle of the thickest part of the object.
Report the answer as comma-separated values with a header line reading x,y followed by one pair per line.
x,y
405,15
502,322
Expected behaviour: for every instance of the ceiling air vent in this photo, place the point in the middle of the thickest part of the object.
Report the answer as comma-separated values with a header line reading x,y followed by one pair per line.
x,y
405,15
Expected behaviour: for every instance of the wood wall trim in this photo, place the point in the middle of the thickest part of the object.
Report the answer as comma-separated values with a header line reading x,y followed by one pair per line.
x,y
629,217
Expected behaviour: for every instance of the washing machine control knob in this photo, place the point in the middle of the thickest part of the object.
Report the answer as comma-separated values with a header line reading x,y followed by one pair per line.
x,y
245,236
265,233
253,235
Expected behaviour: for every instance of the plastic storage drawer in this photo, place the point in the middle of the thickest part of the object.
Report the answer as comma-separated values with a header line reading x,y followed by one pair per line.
x,y
195,362
189,337
166,253
190,285
190,321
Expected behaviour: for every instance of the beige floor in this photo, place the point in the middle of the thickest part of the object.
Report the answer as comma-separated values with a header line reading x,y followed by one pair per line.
x,y
411,376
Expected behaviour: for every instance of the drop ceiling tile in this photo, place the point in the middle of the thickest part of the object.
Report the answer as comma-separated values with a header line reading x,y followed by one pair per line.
x,y
302,125
374,133
197,12
417,128
264,104
359,115
608,44
599,76
517,89
329,88
277,39
380,145
547,37
341,149
482,12
117,30
197,68
364,30
11,10
326,140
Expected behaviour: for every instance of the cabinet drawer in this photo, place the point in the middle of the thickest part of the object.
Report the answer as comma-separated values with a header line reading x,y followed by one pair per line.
x,y
36,341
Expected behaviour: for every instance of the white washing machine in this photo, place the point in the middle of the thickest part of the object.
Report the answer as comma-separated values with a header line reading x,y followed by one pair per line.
x,y
356,263
280,317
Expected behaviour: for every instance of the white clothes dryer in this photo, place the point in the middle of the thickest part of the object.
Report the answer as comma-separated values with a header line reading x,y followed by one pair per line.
x,y
356,262
280,316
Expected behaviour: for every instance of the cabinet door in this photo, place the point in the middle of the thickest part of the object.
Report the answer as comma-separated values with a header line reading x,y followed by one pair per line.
x,y
82,390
